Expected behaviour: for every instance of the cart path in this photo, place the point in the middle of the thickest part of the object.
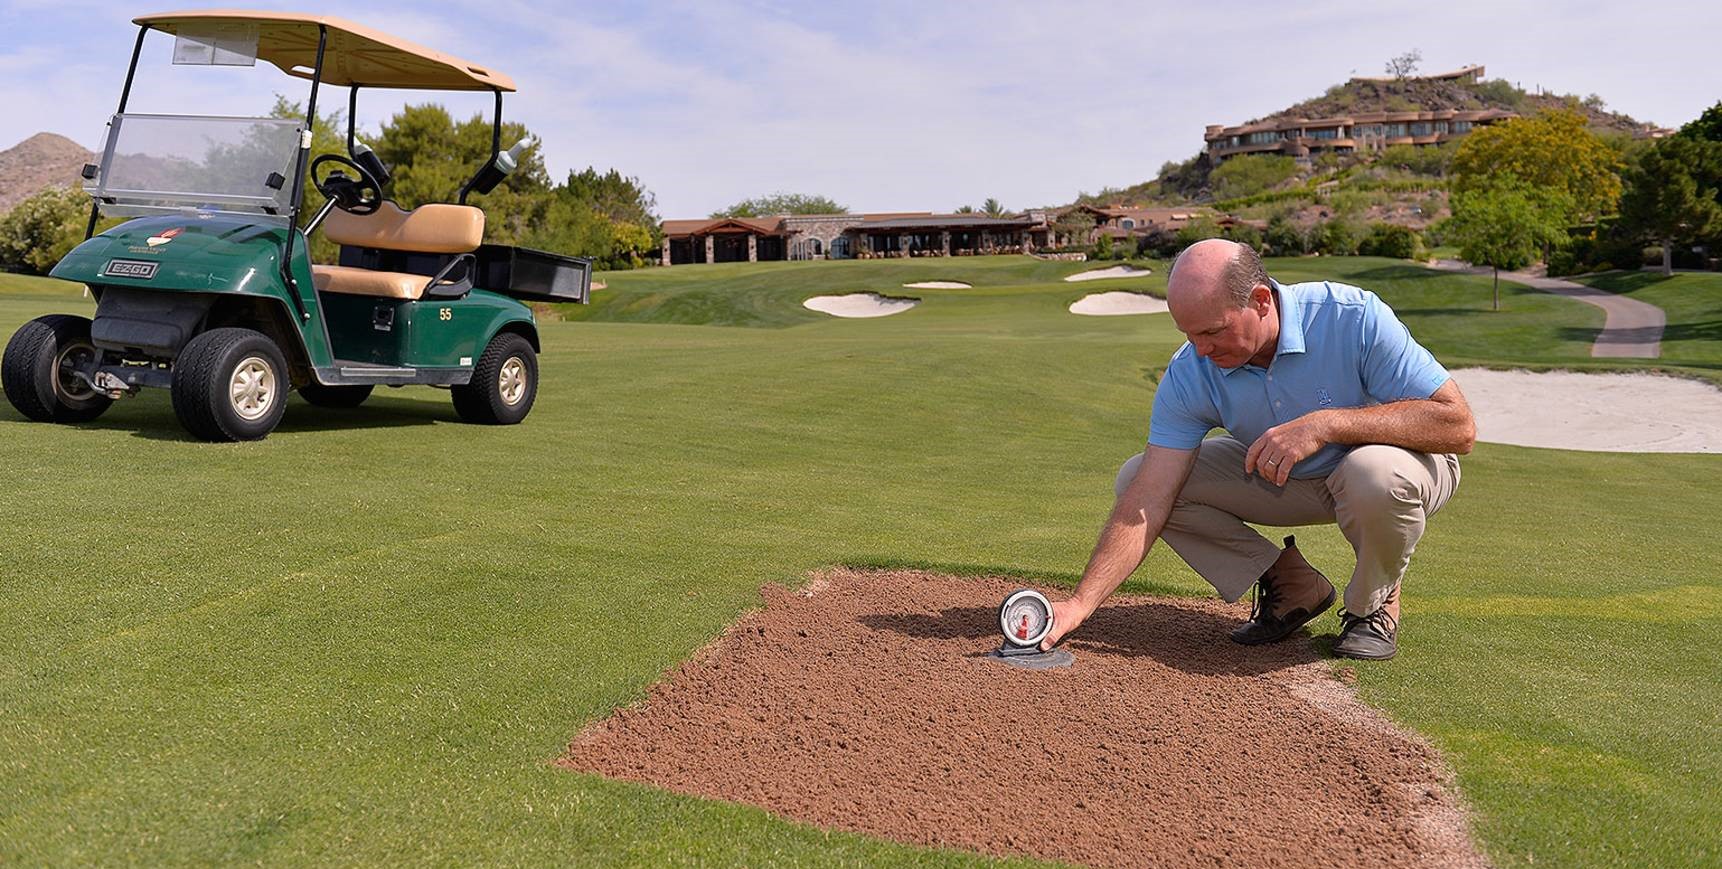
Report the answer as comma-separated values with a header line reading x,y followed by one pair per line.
x,y
1630,329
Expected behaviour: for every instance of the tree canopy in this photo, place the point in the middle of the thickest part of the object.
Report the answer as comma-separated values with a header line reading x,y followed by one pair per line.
x,y
1672,193
1504,224
1553,151
782,203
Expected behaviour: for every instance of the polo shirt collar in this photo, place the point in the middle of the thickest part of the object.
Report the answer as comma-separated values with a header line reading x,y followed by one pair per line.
x,y
1291,326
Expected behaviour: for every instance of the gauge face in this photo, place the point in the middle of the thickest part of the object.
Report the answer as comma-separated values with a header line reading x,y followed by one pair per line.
x,y
1025,618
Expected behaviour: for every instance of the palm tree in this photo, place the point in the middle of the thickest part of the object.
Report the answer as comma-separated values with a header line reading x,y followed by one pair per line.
x,y
993,208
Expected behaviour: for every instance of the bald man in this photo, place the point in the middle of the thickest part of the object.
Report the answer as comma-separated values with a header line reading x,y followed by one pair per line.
x,y
1332,413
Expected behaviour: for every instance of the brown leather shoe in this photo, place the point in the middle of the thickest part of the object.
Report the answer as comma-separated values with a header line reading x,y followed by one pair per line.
x,y
1287,596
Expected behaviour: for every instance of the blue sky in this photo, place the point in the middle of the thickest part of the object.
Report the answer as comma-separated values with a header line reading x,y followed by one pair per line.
x,y
889,105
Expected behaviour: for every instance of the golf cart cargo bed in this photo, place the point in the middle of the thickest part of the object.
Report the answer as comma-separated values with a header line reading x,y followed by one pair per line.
x,y
533,275
520,272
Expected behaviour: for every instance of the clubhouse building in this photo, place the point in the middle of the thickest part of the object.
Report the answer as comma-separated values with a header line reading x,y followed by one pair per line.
x,y
851,236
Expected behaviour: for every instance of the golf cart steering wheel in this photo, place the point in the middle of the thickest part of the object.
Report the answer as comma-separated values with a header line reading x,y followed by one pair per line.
x,y
354,196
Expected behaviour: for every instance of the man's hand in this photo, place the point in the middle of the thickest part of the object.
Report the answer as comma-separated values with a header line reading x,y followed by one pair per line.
x,y
1066,616
1279,448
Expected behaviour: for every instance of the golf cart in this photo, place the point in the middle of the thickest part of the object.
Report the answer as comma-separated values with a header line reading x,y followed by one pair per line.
x,y
209,290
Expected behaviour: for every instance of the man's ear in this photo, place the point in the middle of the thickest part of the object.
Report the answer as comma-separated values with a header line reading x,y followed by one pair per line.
x,y
1262,299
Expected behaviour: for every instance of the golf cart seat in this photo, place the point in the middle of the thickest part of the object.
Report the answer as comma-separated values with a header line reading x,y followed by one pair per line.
x,y
433,228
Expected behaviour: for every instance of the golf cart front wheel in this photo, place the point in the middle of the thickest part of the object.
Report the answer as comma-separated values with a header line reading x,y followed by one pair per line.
x,y
230,385
504,383
37,370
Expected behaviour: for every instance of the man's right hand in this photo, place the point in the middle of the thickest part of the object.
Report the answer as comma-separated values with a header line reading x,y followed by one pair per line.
x,y
1066,616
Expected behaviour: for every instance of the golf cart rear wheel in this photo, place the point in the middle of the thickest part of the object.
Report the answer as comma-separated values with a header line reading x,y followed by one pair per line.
x,y
37,370
504,383
334,396
230,385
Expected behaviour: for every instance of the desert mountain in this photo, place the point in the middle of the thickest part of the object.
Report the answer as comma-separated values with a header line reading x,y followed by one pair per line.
x,y
39,162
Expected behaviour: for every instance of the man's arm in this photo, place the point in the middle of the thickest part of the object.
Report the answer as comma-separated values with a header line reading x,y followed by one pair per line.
x,y
1137,518
1441,423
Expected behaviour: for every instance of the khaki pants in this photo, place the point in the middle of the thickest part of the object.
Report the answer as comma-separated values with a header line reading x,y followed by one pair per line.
x,y
1380,495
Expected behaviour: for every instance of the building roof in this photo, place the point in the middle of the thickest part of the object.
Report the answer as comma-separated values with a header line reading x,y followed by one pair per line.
x,y
948,221
1215,131
717,225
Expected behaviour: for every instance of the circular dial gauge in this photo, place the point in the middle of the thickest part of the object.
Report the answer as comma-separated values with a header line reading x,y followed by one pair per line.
x,y
1025,618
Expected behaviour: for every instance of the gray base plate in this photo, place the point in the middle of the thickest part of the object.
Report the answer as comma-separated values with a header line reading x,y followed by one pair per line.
x,y
1057,659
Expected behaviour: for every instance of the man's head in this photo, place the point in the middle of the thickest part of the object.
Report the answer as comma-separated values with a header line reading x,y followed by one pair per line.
x,y
1220,298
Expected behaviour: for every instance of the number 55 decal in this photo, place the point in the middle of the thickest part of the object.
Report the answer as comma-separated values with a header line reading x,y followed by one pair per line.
x,y
445,314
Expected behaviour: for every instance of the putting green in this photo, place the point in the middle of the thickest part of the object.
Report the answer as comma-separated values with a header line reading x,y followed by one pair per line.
x,y
366,638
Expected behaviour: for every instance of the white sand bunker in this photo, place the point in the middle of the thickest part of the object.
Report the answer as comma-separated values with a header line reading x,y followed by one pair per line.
x,y
1114,272
939,285
860,305
1116,304
1618,413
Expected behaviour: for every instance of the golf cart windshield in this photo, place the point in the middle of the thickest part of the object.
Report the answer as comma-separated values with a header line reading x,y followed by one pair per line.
x,y
159,163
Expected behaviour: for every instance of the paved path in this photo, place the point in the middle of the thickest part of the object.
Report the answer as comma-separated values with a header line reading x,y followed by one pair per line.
x,y
1630,329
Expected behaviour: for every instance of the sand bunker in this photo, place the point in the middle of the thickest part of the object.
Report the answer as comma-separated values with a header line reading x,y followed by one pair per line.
x,y
1631,413
866,705
1116,304
939,285
1102,274
860,305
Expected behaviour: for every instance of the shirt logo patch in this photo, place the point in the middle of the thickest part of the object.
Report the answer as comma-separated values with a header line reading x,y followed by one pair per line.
x,y
1322,397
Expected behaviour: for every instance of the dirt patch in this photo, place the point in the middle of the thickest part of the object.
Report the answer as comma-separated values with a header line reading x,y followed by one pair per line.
x,y
867,705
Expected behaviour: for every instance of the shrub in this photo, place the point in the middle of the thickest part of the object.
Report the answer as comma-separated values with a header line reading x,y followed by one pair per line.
x,y
37,232
1283,238
1337,237
1244,233
1250,174
1391,240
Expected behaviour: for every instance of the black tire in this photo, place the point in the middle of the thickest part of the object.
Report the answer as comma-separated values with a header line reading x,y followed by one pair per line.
x,y
335,396
30,370
208,397
485,400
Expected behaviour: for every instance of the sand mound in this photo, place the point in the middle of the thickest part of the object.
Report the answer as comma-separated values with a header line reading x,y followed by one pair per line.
x,y
1632,413
867,706
1116,304
939,285
860,305
1102,274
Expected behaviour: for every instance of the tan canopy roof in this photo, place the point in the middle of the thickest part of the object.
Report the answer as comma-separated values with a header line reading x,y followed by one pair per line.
x,y
355,54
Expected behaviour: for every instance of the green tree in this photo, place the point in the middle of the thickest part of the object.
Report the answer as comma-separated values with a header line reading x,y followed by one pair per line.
x,y
964,209
1671,194
1503,226
992,208
1073,226
1553,151
1250,174
1391,240
1337,237
328,136
1200,229
37,232
1706,126
782,203
1103,247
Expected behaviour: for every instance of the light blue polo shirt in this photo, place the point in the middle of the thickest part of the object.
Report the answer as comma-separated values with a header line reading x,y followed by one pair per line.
x,y
1339,346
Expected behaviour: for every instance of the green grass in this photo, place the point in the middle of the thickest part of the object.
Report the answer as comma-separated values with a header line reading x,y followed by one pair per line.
x,y
364,639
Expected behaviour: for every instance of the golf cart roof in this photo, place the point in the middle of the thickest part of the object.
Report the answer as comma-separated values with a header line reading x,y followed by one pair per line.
x,y
355,54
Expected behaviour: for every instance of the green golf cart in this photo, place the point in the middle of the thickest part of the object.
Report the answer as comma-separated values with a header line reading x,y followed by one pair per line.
x,y
209,290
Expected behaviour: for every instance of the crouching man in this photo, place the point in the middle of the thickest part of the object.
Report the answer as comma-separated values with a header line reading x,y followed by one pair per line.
x,y
1333,413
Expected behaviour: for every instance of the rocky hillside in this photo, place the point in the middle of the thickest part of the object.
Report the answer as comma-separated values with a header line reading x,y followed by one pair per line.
x,y
41,161
1421,94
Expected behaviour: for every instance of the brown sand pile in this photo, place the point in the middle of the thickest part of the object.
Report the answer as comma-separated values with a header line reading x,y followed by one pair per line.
x,y
867,706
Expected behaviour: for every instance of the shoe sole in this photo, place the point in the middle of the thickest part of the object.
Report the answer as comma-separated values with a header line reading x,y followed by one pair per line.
x,y
1360,656
1326,604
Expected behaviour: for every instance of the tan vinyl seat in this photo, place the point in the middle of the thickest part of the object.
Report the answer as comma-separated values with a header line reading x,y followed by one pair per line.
x,y
432,228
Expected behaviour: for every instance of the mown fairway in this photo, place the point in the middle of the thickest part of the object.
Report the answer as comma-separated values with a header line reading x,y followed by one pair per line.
x,y
364,639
